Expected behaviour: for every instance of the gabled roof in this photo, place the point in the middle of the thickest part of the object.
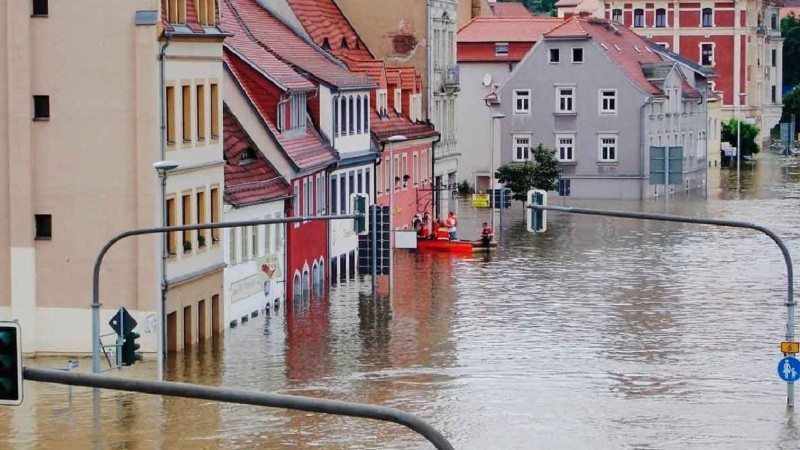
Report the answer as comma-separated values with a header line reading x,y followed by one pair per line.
x,y
243,43
625,48
509,9
702,70
252,182
192,27
280,40
517,29
305,149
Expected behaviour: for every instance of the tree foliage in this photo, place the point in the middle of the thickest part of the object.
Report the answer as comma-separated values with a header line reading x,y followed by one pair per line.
x,y
537,6
791,105
790,30
749,134
541,173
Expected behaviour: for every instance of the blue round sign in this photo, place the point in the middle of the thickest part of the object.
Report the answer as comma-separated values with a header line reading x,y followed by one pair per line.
x,y
789,369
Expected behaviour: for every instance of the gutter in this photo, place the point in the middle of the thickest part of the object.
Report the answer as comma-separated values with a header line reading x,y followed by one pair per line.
x,y
648,101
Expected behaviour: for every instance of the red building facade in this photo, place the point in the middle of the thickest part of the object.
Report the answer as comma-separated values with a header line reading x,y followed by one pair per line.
x,y
739,40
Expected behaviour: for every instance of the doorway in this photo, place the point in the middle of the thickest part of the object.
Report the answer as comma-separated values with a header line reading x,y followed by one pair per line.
x,y
187,326
215,323
201,320
172,332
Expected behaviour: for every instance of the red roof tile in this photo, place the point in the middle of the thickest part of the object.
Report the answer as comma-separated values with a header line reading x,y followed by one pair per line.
x,y
518,29
244,44
323,20
624,47
509,9
251,182
305,149
285,44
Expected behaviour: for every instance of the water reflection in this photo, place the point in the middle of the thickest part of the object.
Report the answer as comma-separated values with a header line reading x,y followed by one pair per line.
x,y
600,333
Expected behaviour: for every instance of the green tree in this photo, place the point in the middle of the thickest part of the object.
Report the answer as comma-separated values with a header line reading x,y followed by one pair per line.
x,y
749,134
542,6
791,105
790,30
541,173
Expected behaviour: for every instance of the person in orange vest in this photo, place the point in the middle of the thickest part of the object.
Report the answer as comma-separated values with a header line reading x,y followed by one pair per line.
x,y
442,234
487,234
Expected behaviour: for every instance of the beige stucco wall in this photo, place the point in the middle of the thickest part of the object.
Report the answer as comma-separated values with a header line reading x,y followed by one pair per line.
x,y
89,166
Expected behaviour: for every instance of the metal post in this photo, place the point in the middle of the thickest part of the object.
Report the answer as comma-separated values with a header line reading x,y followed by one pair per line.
x,y
491,175
374,245
666,178
790,303
502,205
162,304
738,147
228,395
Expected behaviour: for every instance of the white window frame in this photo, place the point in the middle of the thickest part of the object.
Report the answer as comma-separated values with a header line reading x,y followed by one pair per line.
x,y
571,156
501,49
398,100
515,145
713,53
583,55
643,23
707,6
614,17
602,110
571,96
296,207
601,144
655,18
525,96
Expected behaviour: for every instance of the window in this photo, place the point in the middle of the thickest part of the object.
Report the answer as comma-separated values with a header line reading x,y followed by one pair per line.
x,y
268,233
297,113
201,112
608,147
415,169
170,114
186,99
522,147
214,214
707,54
616,15
342,194
358,115
774,57
773,22
296,203
774,94
207,12
638,18
307,199
608,101
201,217
522,101
577,55
707,18
359,181
351,178
41,107
367,182
243,232
501,49
334,194
398,101
661,18
172,239
40,8
186,215
254,240
214,111
553,55
44,226
387,173
177,11
365,112
565,100
404,170
565,143
232,245
350,122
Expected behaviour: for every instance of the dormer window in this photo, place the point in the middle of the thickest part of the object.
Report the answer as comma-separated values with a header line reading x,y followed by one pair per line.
x,y
344,43
501,49
248,155
383,103
398,101
292,115
326,45
206,12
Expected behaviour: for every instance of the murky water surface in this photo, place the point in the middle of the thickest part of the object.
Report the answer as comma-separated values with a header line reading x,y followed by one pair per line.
x,y
601,333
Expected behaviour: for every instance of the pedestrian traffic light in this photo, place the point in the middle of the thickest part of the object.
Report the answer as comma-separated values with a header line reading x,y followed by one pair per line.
x,y
10,364
537,218
358,205
129,347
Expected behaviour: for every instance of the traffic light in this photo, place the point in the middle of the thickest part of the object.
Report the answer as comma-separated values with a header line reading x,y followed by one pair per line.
x,y
129,347
358,205
537,219
10,364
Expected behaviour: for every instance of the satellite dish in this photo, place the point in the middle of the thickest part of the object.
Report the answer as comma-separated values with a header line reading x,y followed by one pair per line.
x,y
487,80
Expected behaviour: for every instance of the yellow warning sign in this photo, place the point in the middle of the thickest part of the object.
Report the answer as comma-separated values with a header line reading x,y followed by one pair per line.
x,y
790,347
480,200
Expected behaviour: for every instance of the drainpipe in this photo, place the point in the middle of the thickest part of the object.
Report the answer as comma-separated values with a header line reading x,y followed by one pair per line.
x,y
284,100
164,254
648,101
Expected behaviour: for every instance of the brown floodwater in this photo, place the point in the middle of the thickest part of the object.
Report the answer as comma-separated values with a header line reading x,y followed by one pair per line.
x,y
600,333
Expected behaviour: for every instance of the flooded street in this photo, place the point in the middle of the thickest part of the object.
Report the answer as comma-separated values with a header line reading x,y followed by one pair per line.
x,y
600,333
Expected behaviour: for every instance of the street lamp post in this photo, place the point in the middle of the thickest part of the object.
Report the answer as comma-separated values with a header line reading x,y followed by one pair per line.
x,y
162,167
392,140
495,117
739,141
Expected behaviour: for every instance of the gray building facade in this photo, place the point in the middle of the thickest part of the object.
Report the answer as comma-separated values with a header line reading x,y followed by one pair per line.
x,y
601,97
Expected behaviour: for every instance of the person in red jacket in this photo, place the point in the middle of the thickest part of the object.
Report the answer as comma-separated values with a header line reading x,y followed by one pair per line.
x,y
487,234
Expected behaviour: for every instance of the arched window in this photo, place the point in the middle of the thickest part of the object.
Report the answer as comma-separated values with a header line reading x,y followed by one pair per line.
x,y
342,115
358,114
297,290
350,122
616,15
306,284
638,18
335,116
365,109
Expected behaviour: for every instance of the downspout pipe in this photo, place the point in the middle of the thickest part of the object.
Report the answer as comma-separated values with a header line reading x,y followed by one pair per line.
x,y
648,101
162,344
434,188
162,86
